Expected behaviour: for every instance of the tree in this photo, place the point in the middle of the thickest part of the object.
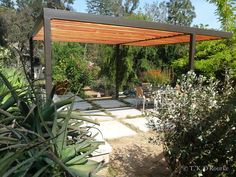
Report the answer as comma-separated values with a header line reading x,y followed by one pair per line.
x,y
213,57
112,8
156,11
7,3
130,6
226,10
180,12
102,7
17,21
117,68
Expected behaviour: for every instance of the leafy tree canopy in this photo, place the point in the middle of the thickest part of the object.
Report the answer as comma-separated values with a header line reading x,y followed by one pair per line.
x,y
112,8
180,12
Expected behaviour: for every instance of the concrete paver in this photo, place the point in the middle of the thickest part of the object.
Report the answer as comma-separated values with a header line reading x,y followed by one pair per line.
x,y
132,101
115,129
124,112
139,123
82,105
97,115
109,103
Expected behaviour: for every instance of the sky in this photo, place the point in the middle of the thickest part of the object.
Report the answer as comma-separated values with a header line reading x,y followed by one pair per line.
x,y
205,12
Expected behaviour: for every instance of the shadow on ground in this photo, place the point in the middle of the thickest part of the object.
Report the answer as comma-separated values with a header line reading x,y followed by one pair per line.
x,y
136,157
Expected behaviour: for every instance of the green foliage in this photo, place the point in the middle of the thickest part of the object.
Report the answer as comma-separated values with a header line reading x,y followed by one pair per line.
x,y
78,75
172,12
70,66
112,8
99,7
15,77
7,3
156,77
156,11
211,59
4,56
214,56
180,12
226,11
196,121
37,139
16,23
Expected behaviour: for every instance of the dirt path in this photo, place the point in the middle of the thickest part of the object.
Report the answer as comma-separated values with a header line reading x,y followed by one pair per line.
x,y
135,157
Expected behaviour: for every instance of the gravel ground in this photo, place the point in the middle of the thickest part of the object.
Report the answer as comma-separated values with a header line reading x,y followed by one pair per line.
x,y
135,157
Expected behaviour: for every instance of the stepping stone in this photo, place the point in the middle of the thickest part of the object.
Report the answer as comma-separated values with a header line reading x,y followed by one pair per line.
x,y
82,106
103,151
132,101
109,103
97,115
124,112
114,129
67,96
139,123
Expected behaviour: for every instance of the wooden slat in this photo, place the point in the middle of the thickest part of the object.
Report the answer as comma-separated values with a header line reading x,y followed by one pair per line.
x,y
73,31
173,40
109,28
64,37
201,38
114,32
81,31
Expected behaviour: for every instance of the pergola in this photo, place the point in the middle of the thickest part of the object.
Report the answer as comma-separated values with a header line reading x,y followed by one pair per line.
x,y
66,26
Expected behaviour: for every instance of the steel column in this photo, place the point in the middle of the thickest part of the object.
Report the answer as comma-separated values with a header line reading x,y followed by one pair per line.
x,y
192,50
47,55
31,47
117,76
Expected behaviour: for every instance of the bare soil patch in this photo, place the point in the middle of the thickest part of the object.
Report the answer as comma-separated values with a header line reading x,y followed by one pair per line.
x,y
136,157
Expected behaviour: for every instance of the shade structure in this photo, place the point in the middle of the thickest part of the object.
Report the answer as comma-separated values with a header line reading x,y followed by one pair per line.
x,y
86,28
65,26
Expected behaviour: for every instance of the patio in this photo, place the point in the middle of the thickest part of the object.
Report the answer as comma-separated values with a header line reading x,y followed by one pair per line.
x,y
112,115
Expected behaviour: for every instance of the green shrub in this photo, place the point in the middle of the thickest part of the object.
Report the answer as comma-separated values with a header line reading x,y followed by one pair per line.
x,y
70,67
15,77
156,77
196,121
4,56
212,57
37,138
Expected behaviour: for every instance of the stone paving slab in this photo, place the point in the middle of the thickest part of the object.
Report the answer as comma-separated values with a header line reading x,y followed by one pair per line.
x,y
139,123
115,129
97,115
124,112
67,96
132,101
109,103
82,105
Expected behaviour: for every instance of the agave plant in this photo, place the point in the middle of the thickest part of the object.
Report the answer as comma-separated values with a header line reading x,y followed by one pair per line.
x,y
38,140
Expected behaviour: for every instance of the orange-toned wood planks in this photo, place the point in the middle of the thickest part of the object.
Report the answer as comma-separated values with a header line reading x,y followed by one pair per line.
x,y
84,32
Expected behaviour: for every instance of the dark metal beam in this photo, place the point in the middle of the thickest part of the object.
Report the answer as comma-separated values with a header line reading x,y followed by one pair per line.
x,y
118,64
31,47
38,25
192,50
47,54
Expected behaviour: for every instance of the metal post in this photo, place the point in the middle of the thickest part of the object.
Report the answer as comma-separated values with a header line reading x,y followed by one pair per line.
x,y
117,79
192,50
31,47
48,55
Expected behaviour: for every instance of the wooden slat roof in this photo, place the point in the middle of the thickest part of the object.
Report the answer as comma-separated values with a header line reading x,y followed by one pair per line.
x,y
87,28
